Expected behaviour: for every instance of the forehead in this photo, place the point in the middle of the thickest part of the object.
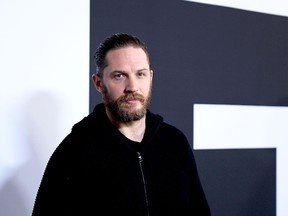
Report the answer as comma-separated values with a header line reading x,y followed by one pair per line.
x,y
126,55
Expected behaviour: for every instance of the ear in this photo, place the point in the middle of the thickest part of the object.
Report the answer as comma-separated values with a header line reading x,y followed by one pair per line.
x,y
151,75
97,82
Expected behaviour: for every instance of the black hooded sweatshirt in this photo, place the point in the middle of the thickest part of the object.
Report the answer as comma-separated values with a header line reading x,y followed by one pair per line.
x,y
96,170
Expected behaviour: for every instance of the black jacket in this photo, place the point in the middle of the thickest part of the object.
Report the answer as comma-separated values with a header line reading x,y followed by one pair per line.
x,y
97,171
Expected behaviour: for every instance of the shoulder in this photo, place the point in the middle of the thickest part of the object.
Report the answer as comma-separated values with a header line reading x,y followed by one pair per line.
x,y
172,139
93,123
172,131
164,131
79,136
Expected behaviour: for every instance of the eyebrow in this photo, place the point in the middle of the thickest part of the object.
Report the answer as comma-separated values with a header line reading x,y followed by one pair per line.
x,y
122,71
144,69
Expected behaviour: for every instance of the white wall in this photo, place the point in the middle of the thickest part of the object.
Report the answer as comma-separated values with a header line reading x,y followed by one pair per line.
x,y
44,90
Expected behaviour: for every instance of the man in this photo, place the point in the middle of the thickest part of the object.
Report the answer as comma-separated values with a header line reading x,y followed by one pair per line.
x,y
122,159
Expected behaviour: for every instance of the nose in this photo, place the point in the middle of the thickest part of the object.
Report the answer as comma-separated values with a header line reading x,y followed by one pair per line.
x,y
131,85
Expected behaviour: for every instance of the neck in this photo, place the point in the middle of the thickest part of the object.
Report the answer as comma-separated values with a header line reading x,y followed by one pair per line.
x,y
133,130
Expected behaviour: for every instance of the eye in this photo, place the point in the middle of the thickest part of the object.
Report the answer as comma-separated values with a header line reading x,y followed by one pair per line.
x,y
118,76
141,74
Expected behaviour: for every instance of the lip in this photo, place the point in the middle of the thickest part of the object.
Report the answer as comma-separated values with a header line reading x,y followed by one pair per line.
x,y
131,101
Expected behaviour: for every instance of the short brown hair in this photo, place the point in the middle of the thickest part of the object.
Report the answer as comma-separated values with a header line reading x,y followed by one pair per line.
x,y
116,41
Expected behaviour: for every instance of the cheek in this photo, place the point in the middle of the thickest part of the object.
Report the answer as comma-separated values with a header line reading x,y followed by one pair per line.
x,y
113,91
148,88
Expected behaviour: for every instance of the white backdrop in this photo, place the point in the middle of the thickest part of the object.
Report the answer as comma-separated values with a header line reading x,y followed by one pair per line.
x,y
44,55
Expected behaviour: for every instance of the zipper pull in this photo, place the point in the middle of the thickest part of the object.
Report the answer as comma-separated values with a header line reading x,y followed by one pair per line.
x,y
140,157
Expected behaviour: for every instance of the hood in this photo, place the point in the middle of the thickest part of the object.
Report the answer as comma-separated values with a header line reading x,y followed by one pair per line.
x,y
98,122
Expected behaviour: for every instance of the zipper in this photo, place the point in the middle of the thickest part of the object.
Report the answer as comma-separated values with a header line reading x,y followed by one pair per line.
x,y
143,180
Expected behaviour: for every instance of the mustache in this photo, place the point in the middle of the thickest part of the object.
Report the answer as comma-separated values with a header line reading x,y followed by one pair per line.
x,y
132,96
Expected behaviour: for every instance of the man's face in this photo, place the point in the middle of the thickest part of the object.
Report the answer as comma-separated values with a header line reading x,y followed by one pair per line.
x,y
126,84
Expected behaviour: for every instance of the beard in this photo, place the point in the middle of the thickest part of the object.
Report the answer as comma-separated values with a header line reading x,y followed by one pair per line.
x,y
120,109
